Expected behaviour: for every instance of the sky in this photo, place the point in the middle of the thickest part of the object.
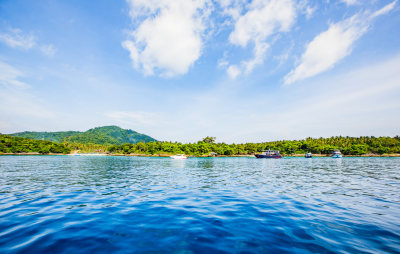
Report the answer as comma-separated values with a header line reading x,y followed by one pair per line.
x,y
181,70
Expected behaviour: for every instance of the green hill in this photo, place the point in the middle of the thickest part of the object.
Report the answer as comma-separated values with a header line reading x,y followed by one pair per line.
x,y
106,135
58,136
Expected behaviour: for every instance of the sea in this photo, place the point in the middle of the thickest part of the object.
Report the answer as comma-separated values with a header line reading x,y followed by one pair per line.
x,y
116,204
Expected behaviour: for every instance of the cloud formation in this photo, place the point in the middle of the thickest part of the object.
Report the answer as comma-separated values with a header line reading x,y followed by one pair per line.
x,y
10,76
16,38
350,2
387,8
15,101
133,117
262,20
170,37
48,50
332,45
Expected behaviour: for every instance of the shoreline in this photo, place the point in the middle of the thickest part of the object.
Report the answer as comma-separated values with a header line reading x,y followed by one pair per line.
x,y
217,156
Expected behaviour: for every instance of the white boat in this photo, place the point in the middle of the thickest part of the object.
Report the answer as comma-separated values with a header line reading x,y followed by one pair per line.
x,y
308,155
337,154
179,157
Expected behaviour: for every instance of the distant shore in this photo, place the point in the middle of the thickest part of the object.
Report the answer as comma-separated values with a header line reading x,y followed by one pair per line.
x,y
201,156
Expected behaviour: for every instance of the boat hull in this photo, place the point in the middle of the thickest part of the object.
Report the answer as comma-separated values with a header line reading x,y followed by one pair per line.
x,y
264,156
337,156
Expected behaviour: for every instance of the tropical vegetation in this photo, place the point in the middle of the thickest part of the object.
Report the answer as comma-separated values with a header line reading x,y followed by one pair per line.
x,y
115,140
9,144
348,146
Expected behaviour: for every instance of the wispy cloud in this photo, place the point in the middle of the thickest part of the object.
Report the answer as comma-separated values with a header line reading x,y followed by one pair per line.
x,y
233,71
262,20
350,2
384,10
16,38
134,118
10,76
21,104
170,38
361,97
15,100
332,45
306,9
48,50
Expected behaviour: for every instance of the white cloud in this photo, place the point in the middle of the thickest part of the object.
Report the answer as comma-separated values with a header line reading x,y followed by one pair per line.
x,y
332,45
309,11
232,8
134,118
385,9
48,50
15,101
329,47
350,2
306,9
222,63
170,38
16,38
9,76
233,71
262,20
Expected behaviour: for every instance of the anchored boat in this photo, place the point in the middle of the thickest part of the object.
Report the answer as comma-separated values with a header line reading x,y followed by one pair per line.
x,y
308,155
179,157
337,154
269,154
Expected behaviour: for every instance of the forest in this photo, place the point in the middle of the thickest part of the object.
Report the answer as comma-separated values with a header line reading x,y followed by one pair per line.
x,y
208,146
347,145
9,144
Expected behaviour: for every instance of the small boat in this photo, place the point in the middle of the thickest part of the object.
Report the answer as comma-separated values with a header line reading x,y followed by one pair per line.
x,y
308,155
337,154
273,154
179,157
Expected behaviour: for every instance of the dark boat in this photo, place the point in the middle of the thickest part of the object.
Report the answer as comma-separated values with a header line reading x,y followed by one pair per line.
x,y
269,154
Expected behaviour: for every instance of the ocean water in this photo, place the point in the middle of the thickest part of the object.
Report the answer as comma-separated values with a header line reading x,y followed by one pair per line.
x,y
77,204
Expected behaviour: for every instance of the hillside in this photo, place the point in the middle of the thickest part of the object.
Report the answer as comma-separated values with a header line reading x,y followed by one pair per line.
x,y
106,135
9,144
58,136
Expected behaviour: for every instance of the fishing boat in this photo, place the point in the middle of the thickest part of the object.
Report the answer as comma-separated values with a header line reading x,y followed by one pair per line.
x,y
179,157
269,154
308,155
337,154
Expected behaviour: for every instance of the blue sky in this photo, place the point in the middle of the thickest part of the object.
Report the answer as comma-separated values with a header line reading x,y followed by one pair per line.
x,y
181,70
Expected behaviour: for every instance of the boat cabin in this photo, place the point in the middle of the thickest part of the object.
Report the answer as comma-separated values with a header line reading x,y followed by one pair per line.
x,y
270,152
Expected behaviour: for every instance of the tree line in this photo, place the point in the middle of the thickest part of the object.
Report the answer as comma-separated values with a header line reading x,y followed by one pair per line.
x,y
9,144
347,145
208,146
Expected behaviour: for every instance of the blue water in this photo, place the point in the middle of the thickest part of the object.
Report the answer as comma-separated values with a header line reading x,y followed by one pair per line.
x,y
73,204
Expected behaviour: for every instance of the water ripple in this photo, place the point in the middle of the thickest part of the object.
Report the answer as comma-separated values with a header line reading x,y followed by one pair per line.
x,y
65,204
